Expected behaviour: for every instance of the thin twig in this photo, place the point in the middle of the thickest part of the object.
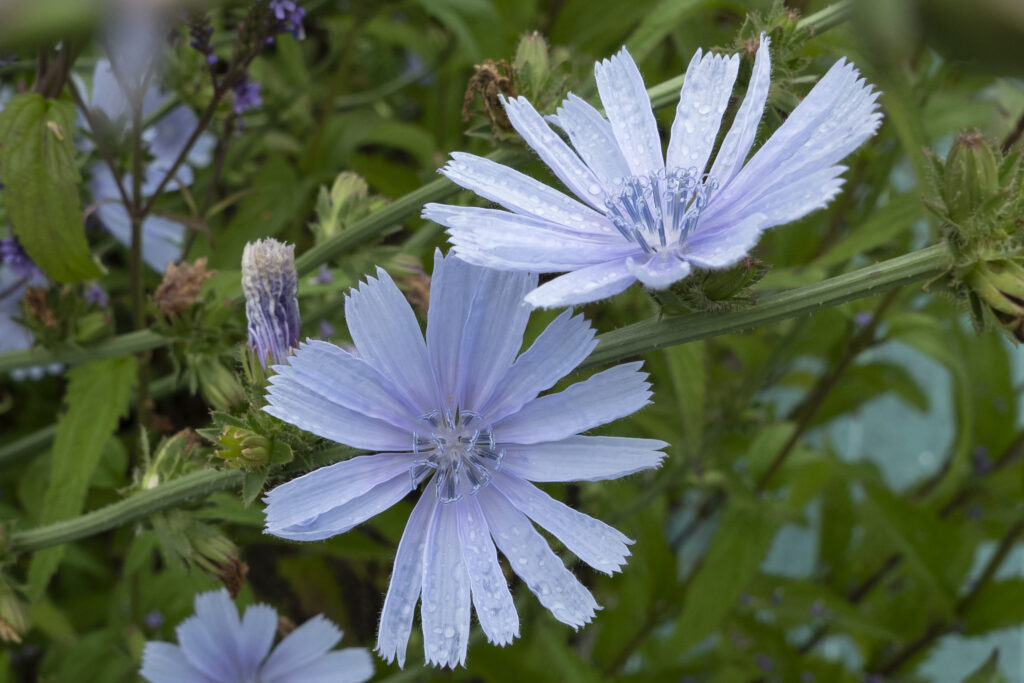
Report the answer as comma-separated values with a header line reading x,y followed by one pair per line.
x,y
101,144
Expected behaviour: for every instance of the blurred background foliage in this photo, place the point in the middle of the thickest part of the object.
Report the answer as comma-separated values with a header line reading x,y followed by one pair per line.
x,y
842,500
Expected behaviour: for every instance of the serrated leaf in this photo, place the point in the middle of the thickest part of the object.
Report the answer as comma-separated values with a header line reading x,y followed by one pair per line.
x,y
97,397
37,164
880,229
687,367
997,605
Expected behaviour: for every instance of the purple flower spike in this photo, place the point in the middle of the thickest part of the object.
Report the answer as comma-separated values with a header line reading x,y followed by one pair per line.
x,y
270,284
95,295
216,646
460,414
247,95
642,215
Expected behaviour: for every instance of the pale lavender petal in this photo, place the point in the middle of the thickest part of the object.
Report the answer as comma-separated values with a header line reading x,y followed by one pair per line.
x,y
659,270
347,515
209,639
702,101
451,295
559,157
535,563
606,396
737,142
722,248
351,665
508,241
349,382
583,458
446,592
558,349
592,136
387,336
107,94
591,283
834,119
166,663
305,645
522,194
491,597
324,489
593,541
493,334
406,582
298,401
259,624
629,111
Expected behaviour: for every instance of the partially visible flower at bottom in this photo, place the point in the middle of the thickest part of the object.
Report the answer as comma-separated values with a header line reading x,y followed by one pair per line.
x,y
216,646
463,411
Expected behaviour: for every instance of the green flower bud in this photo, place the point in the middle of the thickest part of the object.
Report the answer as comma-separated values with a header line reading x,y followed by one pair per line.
x,y
971,176
532,65
244,448
219,386
1000,286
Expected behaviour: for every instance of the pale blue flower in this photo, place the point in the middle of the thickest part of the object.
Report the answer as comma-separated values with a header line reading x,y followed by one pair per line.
x,y
216,646
270,285
17,272
162,238
644,215
460,409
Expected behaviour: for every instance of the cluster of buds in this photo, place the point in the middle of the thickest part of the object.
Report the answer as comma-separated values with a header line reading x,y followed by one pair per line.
x,y
243,447
978,193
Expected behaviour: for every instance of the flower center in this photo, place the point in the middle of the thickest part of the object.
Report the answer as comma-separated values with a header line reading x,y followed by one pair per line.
x,y
459,448
659,209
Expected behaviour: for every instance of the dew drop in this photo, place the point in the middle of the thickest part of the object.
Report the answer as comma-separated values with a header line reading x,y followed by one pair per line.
x,y
449,632
594,189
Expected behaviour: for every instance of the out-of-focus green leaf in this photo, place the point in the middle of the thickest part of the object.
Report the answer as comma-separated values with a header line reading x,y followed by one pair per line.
x,y
37,164
687,367
740,543
656,25
860,384
97,397
988,672
881,227
997,605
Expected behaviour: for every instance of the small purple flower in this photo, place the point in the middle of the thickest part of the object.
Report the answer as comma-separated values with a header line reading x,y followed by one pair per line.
x,y
216,646
154,619
863,319
460,410
323,276
95,295
270,285
764,663
247,95
290,15
13,255
646,216
326,329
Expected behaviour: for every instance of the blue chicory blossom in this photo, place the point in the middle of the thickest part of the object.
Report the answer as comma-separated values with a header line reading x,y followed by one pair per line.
x,y
270,285
460,409
162,238
17,272
644,215
215,646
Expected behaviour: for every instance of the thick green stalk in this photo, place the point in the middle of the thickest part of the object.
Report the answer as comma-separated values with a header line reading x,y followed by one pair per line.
x,y
640,338
137,506
123,345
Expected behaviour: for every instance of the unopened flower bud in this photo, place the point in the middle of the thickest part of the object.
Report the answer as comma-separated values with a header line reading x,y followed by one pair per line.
x,y
244,448
971,177
532,64
270,284
1000,286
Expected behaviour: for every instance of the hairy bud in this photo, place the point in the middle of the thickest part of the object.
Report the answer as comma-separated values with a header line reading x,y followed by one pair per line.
x,y
270,284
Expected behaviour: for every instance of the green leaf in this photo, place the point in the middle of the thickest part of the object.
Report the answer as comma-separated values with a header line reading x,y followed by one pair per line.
x,y
880,229
736,551
37,163
97,397
687,367
988,672
657,25
997,605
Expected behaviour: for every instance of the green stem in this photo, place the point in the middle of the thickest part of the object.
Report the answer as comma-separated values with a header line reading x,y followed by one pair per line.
x,y
639,338
137,506
122,345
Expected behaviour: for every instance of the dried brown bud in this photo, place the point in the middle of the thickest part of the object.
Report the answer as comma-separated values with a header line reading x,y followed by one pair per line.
x,y
233,573
490,80
181,285
38,306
